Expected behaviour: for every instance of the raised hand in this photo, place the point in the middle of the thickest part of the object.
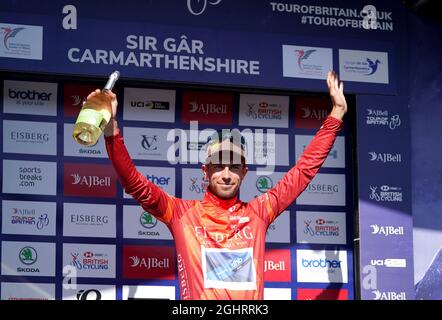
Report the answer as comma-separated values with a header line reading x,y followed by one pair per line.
x,y
336,90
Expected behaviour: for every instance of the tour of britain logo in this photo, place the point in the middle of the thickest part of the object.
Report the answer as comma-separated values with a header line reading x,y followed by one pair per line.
x,y
383,118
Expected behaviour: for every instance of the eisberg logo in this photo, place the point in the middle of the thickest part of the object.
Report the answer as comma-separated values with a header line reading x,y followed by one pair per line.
x,y
385,157
9,33
323,188
388,295
387,230
303,55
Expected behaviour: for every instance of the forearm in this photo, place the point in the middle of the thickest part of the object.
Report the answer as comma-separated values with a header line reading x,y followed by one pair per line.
x,y
112,128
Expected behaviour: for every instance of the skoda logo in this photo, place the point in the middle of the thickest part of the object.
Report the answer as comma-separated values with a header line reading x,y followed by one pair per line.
x,y
147,220
264,183
28,255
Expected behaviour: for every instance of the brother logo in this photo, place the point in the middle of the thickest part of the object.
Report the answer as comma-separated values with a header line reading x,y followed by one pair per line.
x,y
29,95
321,263
160,181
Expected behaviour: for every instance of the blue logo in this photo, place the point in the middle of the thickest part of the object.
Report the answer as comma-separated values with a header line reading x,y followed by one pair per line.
x,y
321,263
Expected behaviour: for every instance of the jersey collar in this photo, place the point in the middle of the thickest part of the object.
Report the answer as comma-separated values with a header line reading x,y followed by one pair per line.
x,y
223,203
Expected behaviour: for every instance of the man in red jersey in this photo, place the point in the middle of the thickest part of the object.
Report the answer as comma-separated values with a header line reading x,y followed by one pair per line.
x,y
220,240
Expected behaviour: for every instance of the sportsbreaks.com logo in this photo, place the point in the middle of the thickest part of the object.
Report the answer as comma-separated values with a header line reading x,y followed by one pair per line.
x,y
149,262
89,180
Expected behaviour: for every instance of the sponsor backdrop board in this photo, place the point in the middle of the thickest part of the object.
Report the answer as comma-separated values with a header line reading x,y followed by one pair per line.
x,y
98,230
94,211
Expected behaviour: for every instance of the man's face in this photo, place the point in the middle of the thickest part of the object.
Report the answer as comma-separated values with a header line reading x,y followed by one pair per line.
x,y
224,179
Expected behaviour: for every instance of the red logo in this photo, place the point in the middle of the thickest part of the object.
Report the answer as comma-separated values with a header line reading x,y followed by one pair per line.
x,y
89,180
205,107
88,254
320,221
147,262
277,265
322,294
74,95
310,112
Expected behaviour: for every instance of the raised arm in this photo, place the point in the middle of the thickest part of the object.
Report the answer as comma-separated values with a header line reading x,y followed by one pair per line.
x,y
151,197
297,179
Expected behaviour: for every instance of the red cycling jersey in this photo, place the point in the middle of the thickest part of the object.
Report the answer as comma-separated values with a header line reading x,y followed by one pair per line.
x,y
220,243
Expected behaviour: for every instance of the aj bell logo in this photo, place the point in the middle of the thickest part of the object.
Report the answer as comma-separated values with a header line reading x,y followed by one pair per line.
x,y
149,263
207,108
317,114
387,230
388,295
9,33
385,157
77,100
91,181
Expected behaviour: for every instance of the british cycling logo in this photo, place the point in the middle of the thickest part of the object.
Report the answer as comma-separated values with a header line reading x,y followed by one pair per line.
x,y
386,194
197,7
264,110
9,33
